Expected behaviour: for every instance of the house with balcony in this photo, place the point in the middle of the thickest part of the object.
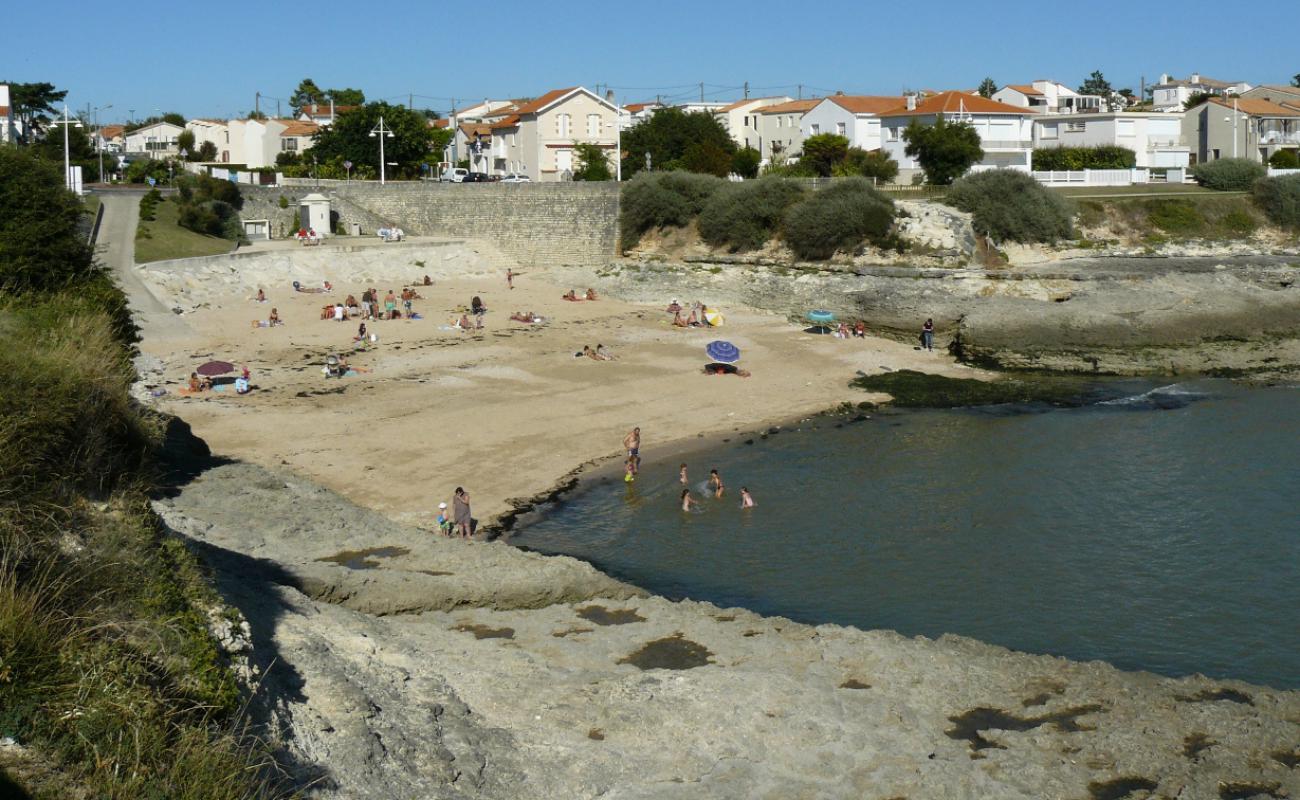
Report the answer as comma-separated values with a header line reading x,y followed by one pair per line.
x,y
780,135
1275,93
1049,97
1171,94
1006,132
741,118
538,138
322,113
156,141
1241,127
855,117
1155,138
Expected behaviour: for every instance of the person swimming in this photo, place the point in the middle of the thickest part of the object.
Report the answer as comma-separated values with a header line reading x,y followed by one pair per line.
x,y
688,502
682,475
746,499
715,483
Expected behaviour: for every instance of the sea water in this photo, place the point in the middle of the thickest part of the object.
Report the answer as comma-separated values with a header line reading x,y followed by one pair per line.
x,y
1158,529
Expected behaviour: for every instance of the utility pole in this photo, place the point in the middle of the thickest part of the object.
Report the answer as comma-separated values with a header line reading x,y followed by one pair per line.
x,y
701,91
67,122
383,133
257,104
410,101
801,91
746,90
277,108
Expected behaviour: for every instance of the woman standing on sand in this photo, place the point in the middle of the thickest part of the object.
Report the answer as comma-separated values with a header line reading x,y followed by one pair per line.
x,y
461,512
715,483
688,502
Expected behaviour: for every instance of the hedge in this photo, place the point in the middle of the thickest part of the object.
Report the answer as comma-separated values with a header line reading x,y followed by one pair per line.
x,y
1105,156
1279,199
839,218
1011,206
743,216
663,199
1228,174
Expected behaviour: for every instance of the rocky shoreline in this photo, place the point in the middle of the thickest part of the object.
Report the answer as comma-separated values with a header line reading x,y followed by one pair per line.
x,y
393,663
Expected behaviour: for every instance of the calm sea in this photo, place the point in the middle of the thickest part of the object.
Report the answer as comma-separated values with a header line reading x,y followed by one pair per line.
x,y
1159,530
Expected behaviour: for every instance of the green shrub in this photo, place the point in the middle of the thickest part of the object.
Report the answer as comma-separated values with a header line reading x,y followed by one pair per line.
x,y
1284,159
1228,174
1236,222
1279,199
868,164
1076,158
743,216
1011,206
662,200
1174,215
42,245
839,218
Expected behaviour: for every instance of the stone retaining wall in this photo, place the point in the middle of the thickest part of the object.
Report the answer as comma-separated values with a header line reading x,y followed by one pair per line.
x,y
549,224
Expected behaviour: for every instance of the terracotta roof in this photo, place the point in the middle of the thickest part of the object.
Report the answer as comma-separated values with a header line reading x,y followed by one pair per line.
x,y
1277,87
746,102
4,111
323,109
1023,89
635,107
471,129
1257,108
108,131
956,102
800,106
509,122
866,104
439,123
533,106
297,128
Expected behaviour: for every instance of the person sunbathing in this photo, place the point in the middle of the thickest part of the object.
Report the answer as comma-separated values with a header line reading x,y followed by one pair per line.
x,y
603,354
592,354
674,307
351,302
520,316
692,321
571,296
464,323
591,294
725,369
327,312
261,296
678,320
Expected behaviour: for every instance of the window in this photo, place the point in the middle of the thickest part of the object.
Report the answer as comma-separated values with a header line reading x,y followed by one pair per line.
x,y
562,124
289,144
1125,127
815,128
1049,132
778,122
1075,127
593,125
512,140
839,129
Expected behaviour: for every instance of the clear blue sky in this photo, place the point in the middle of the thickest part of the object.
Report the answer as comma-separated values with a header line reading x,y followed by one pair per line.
x,y
208,59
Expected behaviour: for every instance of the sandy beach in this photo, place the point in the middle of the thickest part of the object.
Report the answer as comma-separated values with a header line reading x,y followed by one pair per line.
x,y
504,412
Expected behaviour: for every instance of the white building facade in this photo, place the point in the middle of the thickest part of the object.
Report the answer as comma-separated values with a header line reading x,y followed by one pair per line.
x,y
1171,94
538,139
1006,132
779,130
855,117
1156,138
741,118
156,141
1049,97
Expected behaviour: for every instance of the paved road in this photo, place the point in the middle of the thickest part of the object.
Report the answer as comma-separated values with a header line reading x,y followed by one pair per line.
x,y
116,248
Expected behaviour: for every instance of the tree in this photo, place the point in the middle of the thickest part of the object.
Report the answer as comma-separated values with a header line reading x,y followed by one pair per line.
x,y
745,162
1295,81
707,158
32,106
207,152
349,139
345,97
185,144
823,151
593,165
170,117
945,150
306,94
987,88
875,164
81,152
255,115
1098,85
41,244
667,135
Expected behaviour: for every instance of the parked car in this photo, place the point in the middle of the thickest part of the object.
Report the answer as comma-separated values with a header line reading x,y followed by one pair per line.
x,y
454,175
515,177
475,177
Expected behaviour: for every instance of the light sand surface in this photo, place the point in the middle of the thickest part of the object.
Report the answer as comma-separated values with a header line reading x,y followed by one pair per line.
x,y
504,412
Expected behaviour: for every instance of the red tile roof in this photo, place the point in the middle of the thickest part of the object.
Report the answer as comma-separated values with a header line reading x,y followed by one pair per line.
x,y
866,104
439,123
635,107
1258,108
955,102
794,106
108,131
300,128
1023,89
323,109
533,106
509,122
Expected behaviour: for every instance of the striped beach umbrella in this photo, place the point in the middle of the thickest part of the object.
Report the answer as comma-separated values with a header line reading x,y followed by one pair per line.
x,y
722,352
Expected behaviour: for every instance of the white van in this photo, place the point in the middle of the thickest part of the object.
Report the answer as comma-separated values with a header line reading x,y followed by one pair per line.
x,y
453,175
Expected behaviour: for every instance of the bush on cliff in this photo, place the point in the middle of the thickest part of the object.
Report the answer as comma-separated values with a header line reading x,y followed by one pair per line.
x,y
1011,206
662,200
744,216
1279,199
41,245
1228,174
839,218
1077,158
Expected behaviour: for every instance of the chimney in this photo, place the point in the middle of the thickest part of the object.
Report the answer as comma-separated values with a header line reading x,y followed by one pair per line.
x,y
609,95
911,101
1196,77
1164,78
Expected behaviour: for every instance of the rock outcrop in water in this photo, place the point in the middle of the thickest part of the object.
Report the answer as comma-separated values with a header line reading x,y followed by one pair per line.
x,y
402,664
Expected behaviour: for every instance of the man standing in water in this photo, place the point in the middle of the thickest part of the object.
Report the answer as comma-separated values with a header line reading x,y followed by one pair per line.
x,y
632,442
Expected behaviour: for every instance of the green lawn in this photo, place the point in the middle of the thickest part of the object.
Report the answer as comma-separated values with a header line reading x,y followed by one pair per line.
x,y
1161,189
92,202
163,239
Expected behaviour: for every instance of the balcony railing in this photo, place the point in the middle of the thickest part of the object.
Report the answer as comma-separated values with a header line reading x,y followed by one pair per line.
x,y
1007,144
1279,137
1175,141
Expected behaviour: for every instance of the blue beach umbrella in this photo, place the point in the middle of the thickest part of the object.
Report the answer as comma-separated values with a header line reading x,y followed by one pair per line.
x,y
722,352
820,316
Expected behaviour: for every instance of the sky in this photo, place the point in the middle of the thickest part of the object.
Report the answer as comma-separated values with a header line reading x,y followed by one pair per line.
x,y
209,59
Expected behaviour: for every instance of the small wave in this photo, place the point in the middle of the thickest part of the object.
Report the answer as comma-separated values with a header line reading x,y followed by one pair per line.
x,y
1175,395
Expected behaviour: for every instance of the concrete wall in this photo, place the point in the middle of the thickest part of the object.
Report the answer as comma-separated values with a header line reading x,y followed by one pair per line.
x,y
546,224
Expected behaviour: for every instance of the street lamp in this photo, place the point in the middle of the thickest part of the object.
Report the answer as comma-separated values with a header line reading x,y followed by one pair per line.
x,y
66,122
383,133
99,139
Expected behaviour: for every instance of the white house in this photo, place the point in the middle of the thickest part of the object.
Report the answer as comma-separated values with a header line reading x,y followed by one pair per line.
x,y
322,113
1247,127
636,113
157,140
1172,94
704,106
1049,97
255,143
111,138
778,129
741,118
215,131
7,132
855,117
1155,137
1006,132
538,139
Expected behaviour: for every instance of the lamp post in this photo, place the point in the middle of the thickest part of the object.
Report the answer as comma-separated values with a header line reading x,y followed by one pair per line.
x,y
99,139
67,121
383,133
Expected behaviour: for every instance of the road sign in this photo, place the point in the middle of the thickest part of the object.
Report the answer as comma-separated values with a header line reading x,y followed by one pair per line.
x,y
347,165
153,181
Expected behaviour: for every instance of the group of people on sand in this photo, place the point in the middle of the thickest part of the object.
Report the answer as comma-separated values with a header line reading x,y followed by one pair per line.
x,y
458,521
572,296
372,307
715,487
697,318
273,319
857,331
525,316
600,353
198,384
